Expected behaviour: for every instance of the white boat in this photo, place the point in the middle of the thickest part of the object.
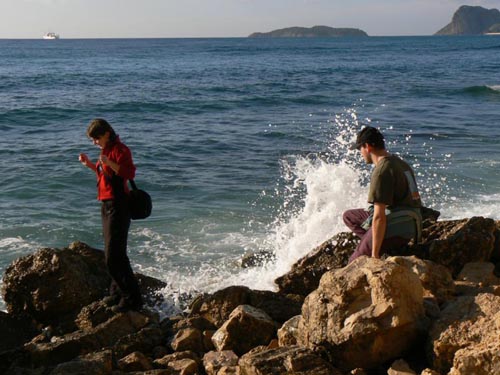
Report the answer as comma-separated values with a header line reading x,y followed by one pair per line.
x,y
51,36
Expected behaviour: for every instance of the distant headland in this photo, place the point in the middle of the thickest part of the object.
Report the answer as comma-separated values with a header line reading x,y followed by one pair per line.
x,y
472,20
310,32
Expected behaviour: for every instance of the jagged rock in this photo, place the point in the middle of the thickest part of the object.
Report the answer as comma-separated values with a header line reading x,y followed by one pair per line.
x,y
14,332
257,259
53,285
92,315
358,371
188,339
135,361
429,371
287,334
214,361
177,356
208,345
229,370
69,346
145,340
400,367
364,314
184,366
471,20
465,337
476,278
472,240
305,274
100,363
436,279
160,351
246,328
286,360
217,307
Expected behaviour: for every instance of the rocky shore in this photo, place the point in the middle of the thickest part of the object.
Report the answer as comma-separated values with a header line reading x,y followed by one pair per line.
x,y
434,311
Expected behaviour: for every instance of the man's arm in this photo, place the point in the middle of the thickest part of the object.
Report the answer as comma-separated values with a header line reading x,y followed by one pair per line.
x,y
379,225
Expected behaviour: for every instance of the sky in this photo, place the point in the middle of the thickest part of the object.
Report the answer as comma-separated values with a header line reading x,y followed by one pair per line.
x,y
220,18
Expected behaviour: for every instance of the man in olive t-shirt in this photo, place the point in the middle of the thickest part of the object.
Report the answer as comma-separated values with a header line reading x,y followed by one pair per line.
x,y
394,217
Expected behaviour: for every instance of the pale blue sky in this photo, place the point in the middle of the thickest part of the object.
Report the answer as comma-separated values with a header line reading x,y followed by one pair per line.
x,y
220,18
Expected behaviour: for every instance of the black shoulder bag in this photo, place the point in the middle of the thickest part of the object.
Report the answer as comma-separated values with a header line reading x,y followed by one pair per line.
x,y
140,204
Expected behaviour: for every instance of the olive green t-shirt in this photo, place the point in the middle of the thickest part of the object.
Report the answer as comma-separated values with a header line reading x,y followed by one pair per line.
x,y
393,183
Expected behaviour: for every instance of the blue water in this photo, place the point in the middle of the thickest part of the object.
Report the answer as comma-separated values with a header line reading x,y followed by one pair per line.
x,y
241,142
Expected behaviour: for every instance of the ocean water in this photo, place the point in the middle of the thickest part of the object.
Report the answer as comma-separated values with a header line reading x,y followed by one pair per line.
x,y
242,143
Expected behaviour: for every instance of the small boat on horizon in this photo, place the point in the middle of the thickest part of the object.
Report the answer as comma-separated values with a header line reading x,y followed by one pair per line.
x,y
51,36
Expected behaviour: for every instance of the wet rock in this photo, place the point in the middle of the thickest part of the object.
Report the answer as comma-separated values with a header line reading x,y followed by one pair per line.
x,y
287,334
14,332
257,259
286,360
364,314
218,306
53,285
305,274
400,367
464,340
214,361
69,346
135,361
100,363
436,279
472,240
246,328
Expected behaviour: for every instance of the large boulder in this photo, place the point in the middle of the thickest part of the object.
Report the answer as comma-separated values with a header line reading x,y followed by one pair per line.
x,y
305,274
286,360
472,240
465,340
436,279
52,284
246,328
217,307
364,314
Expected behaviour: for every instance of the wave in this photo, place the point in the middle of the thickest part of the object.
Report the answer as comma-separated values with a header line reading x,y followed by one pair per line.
x,y
483,90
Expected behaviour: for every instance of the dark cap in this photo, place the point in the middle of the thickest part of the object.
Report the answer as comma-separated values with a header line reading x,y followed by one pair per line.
x,y
369,135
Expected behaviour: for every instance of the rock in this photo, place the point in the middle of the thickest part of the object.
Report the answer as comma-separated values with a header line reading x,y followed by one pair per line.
x,y
92,315
177,356
436,279
465,337
469,241
135,361
358,371
257,259
229,370
429,371
184,366
364,314
69,346
471,20
400,367
53,285
214,361
217,307
188,339
246,328
145,340
305,274
480,273
100,363
14,332
315,31
287,334
286,360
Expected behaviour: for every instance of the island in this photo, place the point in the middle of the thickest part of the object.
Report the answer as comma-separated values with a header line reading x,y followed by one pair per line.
x,y
311,32
472,20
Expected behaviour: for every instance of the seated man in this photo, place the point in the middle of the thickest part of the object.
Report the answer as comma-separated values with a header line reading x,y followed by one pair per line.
x,y
393,218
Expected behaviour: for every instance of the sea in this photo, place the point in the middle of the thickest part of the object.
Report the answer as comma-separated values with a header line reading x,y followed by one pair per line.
x,y
242,143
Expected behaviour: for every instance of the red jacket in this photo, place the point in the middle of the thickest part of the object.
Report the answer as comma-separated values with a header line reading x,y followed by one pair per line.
x,y
120,154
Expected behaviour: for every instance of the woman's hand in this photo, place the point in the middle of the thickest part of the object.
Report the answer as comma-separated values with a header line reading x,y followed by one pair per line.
x,y
84,159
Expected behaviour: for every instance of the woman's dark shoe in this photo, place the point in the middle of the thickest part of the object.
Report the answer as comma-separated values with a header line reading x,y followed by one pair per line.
x,y
111,300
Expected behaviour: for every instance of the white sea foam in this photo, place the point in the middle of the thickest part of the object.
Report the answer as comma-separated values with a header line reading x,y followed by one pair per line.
x,y
494,87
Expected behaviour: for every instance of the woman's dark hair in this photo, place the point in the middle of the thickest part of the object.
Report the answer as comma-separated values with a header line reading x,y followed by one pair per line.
x,y
98,127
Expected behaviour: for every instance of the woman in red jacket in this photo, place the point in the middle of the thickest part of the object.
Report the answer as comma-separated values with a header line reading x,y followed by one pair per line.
x,y
113,169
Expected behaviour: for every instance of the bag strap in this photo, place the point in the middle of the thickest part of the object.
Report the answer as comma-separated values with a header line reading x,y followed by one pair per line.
x,y
132,183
